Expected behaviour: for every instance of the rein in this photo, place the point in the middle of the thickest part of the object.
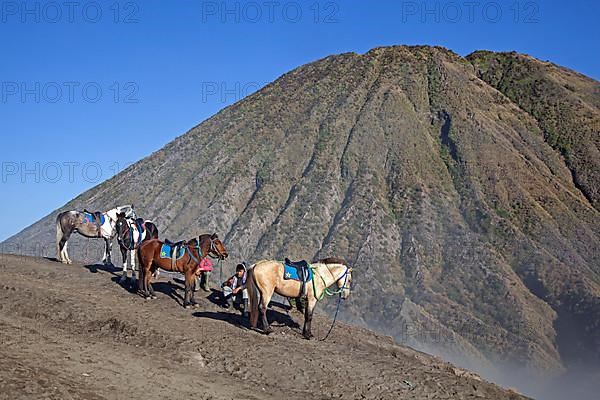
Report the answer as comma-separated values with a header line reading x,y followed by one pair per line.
x,y
213,249
331,293
326,291
130,231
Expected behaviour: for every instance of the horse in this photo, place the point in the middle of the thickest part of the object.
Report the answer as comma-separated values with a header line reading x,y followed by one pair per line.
x,y
131,233
90,225
194,251
267,277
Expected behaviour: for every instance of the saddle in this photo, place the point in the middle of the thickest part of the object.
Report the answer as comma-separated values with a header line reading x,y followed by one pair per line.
x,y
141,227
172,250
95,217
298,270
174,244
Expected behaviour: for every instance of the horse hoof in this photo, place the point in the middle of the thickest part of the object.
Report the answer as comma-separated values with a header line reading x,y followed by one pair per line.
x,y
268,331
153,297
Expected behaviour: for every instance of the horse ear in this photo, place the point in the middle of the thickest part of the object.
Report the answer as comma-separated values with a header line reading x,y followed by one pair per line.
x,y
214,236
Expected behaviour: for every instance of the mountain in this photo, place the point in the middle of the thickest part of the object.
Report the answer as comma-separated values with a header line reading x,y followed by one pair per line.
x,y
463,191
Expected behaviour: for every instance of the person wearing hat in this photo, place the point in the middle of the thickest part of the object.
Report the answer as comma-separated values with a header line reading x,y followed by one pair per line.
x,y
234,289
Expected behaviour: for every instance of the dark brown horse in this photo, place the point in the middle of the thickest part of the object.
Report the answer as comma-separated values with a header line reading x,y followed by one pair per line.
x,y
193,251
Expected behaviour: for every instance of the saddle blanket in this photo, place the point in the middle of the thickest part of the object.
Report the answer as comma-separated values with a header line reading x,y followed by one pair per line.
x,y
290,272
89,218
166,251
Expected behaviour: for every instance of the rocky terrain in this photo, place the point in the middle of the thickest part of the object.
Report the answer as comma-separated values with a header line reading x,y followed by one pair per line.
x,y
463,191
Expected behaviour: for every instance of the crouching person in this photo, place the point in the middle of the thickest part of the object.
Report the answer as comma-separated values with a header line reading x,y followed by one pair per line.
x,y
234,290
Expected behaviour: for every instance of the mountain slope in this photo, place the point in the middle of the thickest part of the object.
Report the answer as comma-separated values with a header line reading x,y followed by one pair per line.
x,y
468,233
565,104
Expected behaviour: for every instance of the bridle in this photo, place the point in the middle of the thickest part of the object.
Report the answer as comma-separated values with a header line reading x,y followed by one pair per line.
x,y
130,231
326,291
213,249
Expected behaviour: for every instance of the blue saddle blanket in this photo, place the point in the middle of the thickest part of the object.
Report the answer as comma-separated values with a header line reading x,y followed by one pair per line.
x,y
166,251
89,218
290,272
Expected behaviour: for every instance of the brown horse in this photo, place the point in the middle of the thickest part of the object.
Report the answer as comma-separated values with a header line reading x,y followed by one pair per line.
x,y
194,250
266,277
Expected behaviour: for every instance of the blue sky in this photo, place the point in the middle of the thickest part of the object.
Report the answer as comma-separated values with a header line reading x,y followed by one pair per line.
x,y
88,87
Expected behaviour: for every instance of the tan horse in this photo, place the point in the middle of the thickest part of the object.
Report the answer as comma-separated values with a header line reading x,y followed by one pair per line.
x,y
266,278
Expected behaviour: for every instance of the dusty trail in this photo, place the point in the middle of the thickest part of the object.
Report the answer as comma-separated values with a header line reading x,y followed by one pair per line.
x,y
71,332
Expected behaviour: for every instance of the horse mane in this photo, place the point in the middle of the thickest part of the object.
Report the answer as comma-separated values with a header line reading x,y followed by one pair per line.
x,y
333,260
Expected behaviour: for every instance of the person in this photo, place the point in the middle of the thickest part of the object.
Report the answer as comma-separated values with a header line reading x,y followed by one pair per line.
x,y
234,289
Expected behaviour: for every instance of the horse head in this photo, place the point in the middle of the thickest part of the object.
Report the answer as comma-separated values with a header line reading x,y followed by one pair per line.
x,y
121,225
341,273
344,284
127,209
212,246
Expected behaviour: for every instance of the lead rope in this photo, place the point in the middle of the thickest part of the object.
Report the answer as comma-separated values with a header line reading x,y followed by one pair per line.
x,y
337,308
220,262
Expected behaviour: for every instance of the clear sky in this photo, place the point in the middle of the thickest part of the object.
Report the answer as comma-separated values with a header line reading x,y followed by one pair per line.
x,y
90,86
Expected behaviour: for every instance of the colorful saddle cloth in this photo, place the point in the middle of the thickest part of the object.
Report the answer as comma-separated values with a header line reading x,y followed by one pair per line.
x,y
297,272
90,218
166,251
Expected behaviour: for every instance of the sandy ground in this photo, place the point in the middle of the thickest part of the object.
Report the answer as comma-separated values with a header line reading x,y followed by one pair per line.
x,y
72,332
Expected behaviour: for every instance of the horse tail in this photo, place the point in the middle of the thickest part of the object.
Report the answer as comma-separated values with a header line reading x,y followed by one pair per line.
x,y
59,236
253,297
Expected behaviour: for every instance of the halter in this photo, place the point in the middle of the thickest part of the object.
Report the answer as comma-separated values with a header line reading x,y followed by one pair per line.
x,y
326,291
212,248
130,230
121,243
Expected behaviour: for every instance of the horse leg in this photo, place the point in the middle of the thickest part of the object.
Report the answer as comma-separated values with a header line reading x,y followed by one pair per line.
x,y
124,274
192,292
308,314
149,291
59,241
144,277
264,302
65,253
133,275
189,282
62,255
149,285
107,251
142,280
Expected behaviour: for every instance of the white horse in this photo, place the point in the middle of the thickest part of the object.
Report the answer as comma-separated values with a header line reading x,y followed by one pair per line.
x,y
91,225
